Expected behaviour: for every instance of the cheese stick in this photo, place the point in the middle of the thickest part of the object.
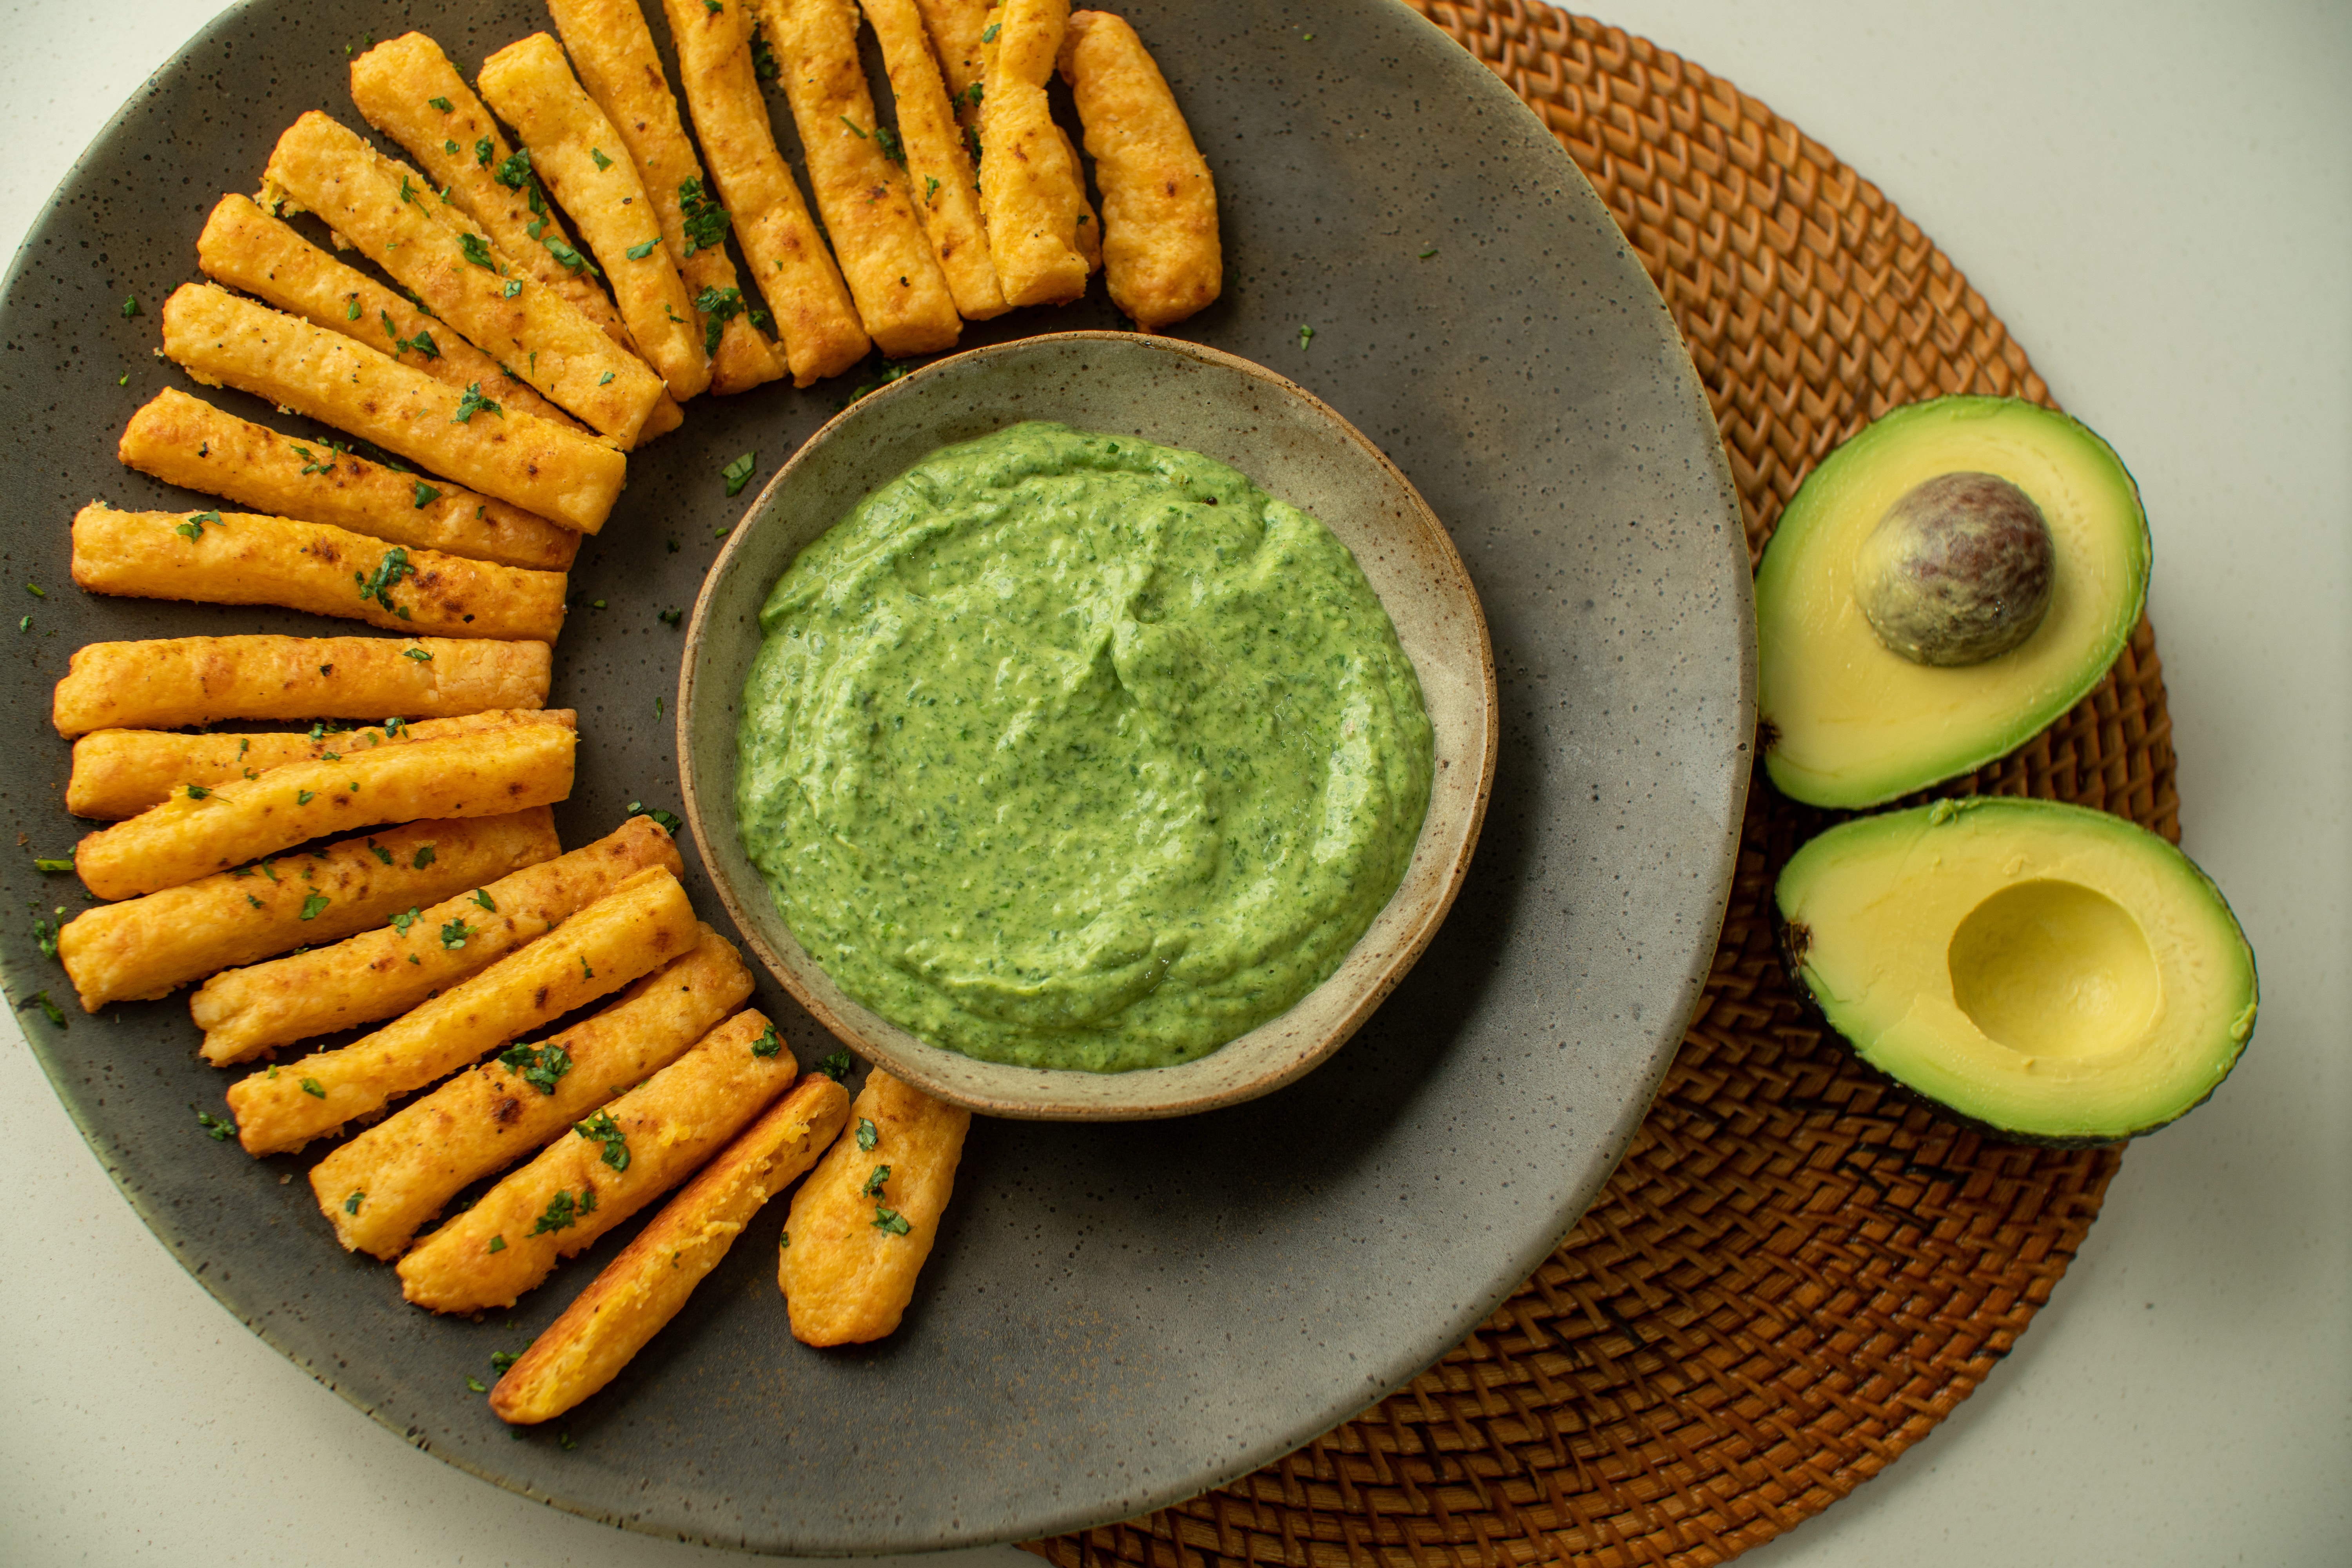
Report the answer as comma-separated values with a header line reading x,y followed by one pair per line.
x,y
955,26
223,341
938,170
172,681
150,946
246,248
902,296
202,830
1160,206
586,166
643,1288
788,259
613,52
398,222
186,441
392,968
1029,192
122,772
243,558
863,1224
629,932
400,87
484,1120
634,1149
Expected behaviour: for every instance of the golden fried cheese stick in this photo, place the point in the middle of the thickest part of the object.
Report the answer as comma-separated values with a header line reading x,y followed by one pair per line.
x,y
586,165
863,1224
482,1121
628,1155
223,341
122,772
902,296
643,1288
407,88
186,441
789,261
1030,191
629,932
938,167
246,248
400,223
149,947
613,51
955,26
392,968
243,558
171,681
1160,206
202,830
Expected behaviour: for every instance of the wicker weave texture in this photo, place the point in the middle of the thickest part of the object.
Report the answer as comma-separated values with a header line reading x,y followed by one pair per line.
x,y
1796,1273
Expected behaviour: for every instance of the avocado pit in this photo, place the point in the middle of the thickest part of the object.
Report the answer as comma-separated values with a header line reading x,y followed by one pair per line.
x,y
1958,571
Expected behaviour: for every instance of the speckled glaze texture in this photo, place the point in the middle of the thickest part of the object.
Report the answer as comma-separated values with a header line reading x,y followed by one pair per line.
x,y
1118,1314
1176,394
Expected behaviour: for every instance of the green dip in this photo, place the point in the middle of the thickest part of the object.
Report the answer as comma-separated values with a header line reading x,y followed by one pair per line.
x,y
1072,750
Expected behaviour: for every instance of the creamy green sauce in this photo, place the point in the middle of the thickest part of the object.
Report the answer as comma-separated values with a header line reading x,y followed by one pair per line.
x,y
1072,750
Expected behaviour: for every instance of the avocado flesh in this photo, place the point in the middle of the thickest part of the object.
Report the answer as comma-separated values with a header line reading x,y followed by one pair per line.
x,y
1848,721
2052,974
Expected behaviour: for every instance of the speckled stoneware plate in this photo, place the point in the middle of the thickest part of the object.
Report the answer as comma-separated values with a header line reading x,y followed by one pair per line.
x,y
1118,1314
1178,395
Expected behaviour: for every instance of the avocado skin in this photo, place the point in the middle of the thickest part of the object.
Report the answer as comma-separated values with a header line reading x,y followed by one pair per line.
x,y
1791,939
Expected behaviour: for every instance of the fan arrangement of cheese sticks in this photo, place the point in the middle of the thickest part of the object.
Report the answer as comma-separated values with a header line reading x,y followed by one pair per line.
x,y
403,876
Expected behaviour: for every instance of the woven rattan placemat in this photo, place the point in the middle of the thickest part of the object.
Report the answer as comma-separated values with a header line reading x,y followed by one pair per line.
x,y
1795,1273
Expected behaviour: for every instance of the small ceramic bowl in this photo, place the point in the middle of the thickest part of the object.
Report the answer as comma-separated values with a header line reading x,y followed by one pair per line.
x,y
1178,395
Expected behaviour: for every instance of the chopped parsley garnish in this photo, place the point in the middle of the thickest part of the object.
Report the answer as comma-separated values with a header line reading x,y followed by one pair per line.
x,y
56,1014
302,796
450,147
602,1128
474,403
37,590
482,151
890,372
310,464
220,1127
989,36
539,1066
835,1064
379,584
1306,334
402,922
667,617
423,858
564,1211
43,863
671,822
314,906
930,187
350,313
254,901
971,96
130,307
482,897
768,1044
601,161
718,307
474,249
513,169
422,656
764,67
45,935
892,148
197,792
713,6
585,973
498,1244
890,1221
875,1182
738,473
194,529
513,287
853,126
705,221
380,852
563,1439
310,1087
443,104
351,1204
476,1385
1430,252
570,259
868,1134
454,934
502,1360
269,870
330,756
426,495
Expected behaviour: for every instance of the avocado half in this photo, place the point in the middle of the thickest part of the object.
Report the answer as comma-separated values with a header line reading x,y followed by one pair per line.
x,y
2049,973
1849,722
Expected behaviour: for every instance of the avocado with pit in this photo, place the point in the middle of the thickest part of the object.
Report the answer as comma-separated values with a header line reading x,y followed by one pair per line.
x,y
1942,587
2046,972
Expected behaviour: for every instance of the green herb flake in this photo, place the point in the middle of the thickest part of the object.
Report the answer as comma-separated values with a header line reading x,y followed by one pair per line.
x,y
44,936
483,150
474,249
868,1134
401,922
194,529
704,220
502,1360
43,863
738,473
538,1065
667,617
603,162
835,1064
892,148
564,1211
389,571
875,1181
302,796
449,147
426,495
1430,252
585,973
890,1221
351,1204
25,624
314,906
764,66
476,1385
422,656
219,1127
930,187
424,858
37,590
197,792
602,1128
254,901
310,1087
514,169
482,897
454,934
1306,334
768,1044
671,822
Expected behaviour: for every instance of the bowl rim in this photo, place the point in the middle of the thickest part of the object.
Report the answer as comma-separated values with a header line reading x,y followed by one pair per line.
x,y
1047,1105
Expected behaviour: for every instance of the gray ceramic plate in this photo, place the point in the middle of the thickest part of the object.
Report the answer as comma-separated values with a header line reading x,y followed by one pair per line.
x,y
1179,394
1118,1315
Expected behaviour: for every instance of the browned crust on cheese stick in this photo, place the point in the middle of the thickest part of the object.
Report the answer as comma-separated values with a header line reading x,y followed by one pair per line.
x,y
203,831
902,296
246,248
392,968
630,932
955,26
122,772
400,223
149,947
938,170
846,1273
643,1288
562,1201
172,681
1160,206
613,52
484,1120
244,557
223,341
186,441
1031,195
787,256
393,86
528,85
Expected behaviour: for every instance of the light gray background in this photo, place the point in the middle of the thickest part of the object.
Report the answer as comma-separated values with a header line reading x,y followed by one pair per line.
x,y
2157,199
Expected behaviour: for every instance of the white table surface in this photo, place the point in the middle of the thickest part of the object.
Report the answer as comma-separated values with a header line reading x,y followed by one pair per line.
x,y
2157,199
